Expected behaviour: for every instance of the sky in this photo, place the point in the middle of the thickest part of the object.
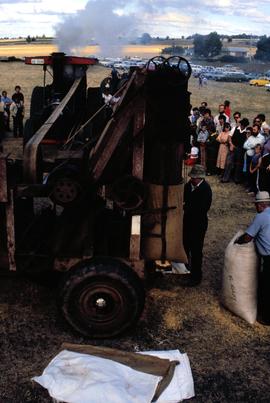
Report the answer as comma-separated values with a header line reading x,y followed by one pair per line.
x,y
157,17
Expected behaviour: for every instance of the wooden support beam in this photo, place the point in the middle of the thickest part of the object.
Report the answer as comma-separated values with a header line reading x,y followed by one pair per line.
x,y
135,238
124,111
32,191
138,147
10,224
30,158
3,180
137,171
109,140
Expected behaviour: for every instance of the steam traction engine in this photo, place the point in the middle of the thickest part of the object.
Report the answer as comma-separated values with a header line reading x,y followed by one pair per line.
x,y
97,196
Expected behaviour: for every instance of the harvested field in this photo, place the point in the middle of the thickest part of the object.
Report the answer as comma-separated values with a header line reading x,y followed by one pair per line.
x,y
229,358
18,49
249,100
244,98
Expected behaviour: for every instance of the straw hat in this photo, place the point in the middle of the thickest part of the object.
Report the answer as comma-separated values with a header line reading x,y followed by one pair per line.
x,y
197,171
262,197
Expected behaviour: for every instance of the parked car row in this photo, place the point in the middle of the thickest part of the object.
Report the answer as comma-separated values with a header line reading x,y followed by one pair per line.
x,y
227,73
122,63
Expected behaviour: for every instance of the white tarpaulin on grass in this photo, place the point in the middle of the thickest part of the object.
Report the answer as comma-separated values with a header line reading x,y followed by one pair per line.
x,y
181,386
82,378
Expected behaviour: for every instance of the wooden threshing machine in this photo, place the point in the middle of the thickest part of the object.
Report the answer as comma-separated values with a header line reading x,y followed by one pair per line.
x,y
97,196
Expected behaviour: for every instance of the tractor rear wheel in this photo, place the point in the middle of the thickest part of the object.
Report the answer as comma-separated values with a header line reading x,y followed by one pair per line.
x,y
102,298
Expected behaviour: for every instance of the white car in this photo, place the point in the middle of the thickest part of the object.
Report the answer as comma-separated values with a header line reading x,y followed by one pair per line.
x,y
267,87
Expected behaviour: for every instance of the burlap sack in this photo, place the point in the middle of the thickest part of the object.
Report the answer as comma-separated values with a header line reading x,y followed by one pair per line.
x,y
239,279
152,225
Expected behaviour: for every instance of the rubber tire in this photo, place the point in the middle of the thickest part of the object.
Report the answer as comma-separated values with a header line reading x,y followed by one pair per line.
x,y
36,104
102,272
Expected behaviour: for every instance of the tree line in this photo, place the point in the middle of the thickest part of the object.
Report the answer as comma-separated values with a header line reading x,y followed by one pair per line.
x,y
208,46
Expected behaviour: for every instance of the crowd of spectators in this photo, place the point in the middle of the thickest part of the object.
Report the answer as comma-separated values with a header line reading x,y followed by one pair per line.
x,y
12,107
230,146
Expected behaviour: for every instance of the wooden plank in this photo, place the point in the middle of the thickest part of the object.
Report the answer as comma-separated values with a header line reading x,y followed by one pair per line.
x,y
124,95
109,140
52,154
140,362
115,128
69,154
135,238
13,147
102,141
38,190
138,148
31,148
137,171
3,180
10,224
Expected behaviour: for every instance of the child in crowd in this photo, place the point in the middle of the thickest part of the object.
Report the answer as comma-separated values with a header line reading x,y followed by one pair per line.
x,y
202,138
193,155
254,169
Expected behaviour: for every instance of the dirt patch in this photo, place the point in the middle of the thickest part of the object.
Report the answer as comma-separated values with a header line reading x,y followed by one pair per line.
x,y
229,358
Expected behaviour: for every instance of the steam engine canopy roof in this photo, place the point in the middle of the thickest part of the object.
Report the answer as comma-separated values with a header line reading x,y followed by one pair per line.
x,y
72,60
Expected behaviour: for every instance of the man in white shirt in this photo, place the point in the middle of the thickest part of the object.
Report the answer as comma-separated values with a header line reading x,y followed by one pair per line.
x,y
259,230
255,138
260,119
2,122
236,123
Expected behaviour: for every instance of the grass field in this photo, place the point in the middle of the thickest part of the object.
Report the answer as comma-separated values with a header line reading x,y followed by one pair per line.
x,y
23,49
249,100
244,98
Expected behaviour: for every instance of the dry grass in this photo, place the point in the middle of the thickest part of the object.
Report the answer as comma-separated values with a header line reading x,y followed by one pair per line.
x,y
23,49
249,100
28,77
244,98
229,358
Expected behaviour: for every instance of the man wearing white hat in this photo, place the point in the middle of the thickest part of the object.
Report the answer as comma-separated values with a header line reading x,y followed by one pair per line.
x,y
259,230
